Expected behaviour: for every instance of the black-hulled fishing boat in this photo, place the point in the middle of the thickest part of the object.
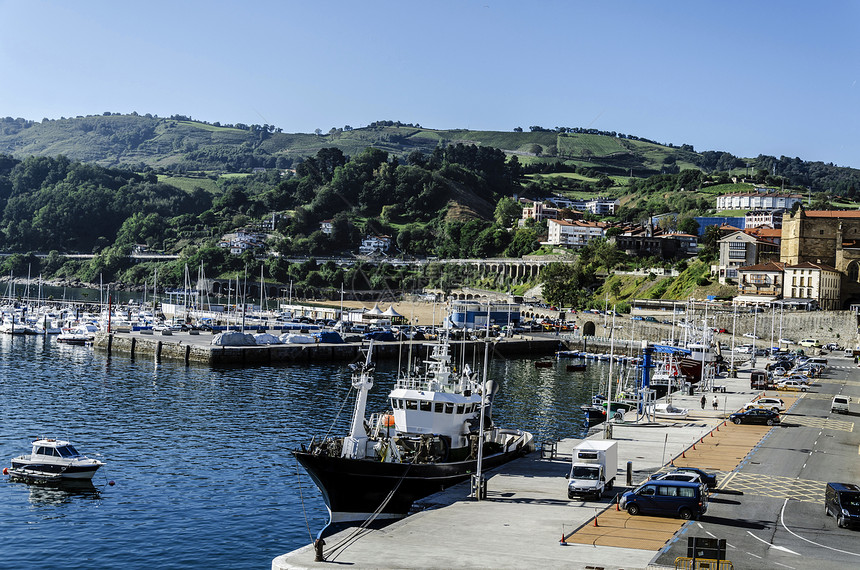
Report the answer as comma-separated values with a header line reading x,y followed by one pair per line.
x,y
429,440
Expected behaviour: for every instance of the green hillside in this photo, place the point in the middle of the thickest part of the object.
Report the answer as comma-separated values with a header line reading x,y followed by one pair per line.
x,y
180,145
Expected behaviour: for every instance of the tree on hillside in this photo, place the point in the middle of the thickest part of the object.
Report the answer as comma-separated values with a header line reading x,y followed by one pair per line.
x,y
688,225
564,284
710,243
507,212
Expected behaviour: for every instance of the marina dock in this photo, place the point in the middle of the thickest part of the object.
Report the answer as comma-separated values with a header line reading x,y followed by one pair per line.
x,y
527,519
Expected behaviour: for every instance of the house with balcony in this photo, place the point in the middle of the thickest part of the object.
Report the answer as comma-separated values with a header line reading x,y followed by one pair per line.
x,y
740,249
762,283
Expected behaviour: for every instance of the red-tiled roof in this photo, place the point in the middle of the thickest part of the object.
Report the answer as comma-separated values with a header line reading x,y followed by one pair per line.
x,y
772,266
832,213
811,265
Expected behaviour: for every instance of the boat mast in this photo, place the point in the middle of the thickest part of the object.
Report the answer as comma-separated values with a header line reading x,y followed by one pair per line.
x,y
478,482
607,431
362,380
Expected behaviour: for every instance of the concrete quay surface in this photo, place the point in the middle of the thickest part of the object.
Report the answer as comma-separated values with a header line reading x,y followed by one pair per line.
x,y
527,514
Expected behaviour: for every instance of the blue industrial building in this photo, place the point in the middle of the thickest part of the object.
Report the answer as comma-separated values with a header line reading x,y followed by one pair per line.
x,y
474,314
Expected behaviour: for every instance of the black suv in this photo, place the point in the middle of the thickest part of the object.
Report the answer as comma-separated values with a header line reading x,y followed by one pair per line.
x,y
755,416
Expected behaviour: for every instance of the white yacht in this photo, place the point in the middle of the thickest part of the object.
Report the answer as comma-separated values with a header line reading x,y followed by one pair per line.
x,y
52,460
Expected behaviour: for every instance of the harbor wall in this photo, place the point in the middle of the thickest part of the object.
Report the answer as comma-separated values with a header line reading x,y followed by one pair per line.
x,y
197,349
840,327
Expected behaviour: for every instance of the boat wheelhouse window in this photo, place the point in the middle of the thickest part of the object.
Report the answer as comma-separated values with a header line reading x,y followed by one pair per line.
x,y
449,408
439,408
426,406
411,405
65,451
43,451
73,450
460,408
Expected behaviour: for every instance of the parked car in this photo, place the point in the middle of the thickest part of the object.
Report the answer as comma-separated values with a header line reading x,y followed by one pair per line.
x,y
650,319
751,335
755,416
678,498
709,479
688,476
775,404
840,404
791,386
810,343
832,346
842,500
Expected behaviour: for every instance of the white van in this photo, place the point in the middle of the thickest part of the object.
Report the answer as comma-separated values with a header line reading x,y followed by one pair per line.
x,y
810,343
840,404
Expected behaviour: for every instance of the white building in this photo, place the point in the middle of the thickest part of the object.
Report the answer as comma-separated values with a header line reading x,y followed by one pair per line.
x,y
241,241
574,233
816,282
537,211
760,199
374,244
326,227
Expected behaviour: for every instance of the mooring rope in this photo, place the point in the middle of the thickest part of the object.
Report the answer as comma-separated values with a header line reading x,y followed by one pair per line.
x,y
354,535
302,497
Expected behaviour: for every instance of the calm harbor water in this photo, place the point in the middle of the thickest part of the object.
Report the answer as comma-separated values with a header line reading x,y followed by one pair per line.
x,y
200,456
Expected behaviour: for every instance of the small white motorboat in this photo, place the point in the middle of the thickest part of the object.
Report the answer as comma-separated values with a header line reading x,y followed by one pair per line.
x,y
81,334
668,412
52,460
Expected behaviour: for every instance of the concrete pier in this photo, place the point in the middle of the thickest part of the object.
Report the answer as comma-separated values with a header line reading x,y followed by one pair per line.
x,y
527,519
197,348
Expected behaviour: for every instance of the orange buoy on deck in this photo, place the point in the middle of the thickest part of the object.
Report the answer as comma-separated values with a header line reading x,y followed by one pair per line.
x,y
388,420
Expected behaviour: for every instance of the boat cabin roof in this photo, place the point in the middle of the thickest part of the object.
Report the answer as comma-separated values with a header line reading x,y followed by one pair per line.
x,y
50,442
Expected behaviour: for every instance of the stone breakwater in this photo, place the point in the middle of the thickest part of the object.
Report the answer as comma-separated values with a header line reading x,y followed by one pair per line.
x,y
189,348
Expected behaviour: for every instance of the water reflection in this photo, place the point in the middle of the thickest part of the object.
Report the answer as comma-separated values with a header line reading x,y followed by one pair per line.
x,y
62,493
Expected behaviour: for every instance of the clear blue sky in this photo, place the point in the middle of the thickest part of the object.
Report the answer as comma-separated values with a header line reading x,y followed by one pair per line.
x,y
777,78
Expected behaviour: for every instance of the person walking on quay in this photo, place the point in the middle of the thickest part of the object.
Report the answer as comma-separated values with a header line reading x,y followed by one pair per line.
x,y
704,401
716,403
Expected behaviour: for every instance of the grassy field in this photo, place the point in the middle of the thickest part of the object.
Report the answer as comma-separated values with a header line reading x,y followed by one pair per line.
x,y
210,128
188,183
571,175
720,189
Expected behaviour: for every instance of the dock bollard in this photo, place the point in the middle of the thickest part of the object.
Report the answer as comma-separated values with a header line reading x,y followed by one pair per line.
x,y
318,549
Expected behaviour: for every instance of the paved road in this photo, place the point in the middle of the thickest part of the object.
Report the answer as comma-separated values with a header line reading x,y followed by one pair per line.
x,y
771,511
